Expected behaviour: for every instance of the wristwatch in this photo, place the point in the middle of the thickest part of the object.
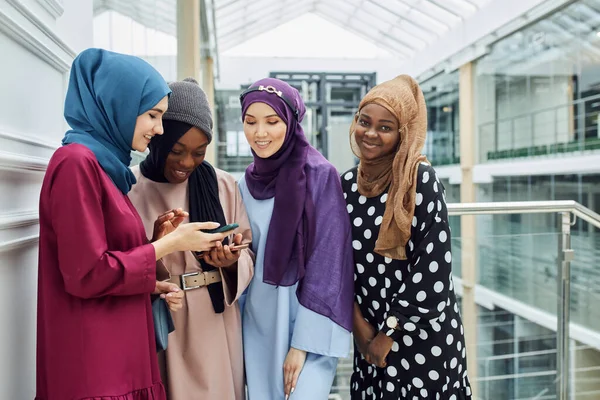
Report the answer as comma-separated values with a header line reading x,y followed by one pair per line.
x,y
392,322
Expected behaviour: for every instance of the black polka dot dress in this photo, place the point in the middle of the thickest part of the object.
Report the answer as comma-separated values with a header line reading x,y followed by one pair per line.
x,y
428,358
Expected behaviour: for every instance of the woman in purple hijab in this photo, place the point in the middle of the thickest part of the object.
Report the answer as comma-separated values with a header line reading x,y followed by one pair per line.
x,y
297,316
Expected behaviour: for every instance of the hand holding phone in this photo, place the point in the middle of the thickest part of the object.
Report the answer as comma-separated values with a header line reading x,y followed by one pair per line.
x,y
238,247
221,229
223,256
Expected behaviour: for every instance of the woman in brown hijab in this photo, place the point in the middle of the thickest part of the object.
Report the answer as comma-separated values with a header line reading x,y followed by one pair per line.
x,y
408,332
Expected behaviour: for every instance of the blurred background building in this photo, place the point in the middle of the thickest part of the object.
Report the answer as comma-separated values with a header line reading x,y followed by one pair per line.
x,y
513,95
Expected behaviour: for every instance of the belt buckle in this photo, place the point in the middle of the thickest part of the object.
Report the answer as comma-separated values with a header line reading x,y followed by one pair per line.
x,y
184,286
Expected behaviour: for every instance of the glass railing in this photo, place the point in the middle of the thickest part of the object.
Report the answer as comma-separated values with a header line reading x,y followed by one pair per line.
x,y
515,272
442,147
585,279
566,128
537,286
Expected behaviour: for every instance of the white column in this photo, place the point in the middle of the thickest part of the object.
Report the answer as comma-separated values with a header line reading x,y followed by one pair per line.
x,y
468,222
208,84
189,50
188,39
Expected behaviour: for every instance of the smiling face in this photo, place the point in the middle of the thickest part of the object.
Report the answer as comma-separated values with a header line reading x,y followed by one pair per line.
x,y
149,124
187,153
264,129
376,132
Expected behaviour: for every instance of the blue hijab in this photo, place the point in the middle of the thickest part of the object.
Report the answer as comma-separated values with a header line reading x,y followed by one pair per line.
x,y
107,92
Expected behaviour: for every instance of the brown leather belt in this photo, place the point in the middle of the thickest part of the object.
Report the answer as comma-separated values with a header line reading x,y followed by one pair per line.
x,y
195,280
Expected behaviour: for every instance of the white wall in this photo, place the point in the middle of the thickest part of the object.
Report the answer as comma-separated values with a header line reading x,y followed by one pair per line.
x,y
38,41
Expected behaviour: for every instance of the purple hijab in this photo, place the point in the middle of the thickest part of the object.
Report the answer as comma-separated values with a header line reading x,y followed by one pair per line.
x,y
306,244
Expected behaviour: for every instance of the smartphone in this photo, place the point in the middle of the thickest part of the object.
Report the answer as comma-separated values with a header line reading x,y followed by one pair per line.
x,y
224,228
237,247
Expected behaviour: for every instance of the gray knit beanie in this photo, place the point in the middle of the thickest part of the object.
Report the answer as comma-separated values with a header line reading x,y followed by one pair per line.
x,y
188,103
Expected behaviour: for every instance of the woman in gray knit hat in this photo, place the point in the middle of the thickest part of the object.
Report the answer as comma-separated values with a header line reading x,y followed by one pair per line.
x,y
204,358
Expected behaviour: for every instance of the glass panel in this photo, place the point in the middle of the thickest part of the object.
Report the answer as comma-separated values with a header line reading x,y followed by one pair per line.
x,y
461,7
233,151
440,11
441,95
398,7
585,278
586,375
122,33
377,13
585,297
404,35
341,6
415,30
516,357
516,262
538,90
517,258
453,196
423,19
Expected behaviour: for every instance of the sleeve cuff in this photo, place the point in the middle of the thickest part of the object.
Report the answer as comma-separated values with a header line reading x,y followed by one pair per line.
x,y
233,288
149,276
317,334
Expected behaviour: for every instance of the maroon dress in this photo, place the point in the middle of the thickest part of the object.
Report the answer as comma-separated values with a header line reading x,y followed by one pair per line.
x,y
95,337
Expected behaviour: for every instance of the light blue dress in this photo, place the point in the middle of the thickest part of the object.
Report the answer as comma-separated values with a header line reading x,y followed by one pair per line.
x,y
273,321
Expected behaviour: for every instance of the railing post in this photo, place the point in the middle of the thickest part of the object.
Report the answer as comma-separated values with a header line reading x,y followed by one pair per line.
x,y
563,277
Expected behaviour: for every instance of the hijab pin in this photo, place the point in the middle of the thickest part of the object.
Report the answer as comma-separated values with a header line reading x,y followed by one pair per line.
x,y
271,89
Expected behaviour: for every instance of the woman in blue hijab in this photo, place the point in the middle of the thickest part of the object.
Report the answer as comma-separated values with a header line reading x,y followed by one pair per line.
x,y
95,336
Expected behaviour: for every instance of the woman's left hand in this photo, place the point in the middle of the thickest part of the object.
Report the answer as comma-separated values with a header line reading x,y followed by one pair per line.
x,y
221,255
292,367
379,348
171,293
167,222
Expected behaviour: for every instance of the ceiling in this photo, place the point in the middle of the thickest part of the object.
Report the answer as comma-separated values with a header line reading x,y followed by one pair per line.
x,y
402,27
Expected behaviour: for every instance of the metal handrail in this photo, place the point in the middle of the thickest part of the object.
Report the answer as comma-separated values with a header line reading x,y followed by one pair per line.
x,y
566,209
526,207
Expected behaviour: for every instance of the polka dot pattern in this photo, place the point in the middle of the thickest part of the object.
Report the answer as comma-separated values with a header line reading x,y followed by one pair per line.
x,y
428,358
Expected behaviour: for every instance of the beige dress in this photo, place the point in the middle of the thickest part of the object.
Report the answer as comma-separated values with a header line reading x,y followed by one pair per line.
x,y
204,357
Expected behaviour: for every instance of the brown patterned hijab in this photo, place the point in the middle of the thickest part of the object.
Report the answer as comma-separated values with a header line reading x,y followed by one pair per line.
x,y
402,97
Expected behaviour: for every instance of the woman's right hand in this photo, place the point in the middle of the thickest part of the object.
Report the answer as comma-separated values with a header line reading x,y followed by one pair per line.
x,y
292,366
364,333
190,236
